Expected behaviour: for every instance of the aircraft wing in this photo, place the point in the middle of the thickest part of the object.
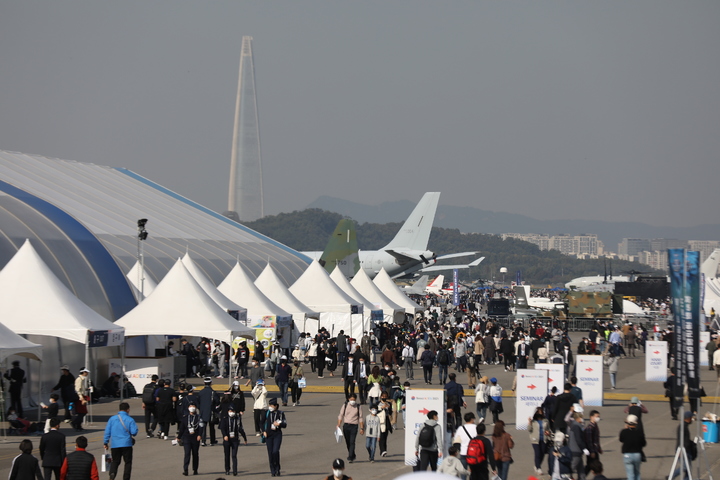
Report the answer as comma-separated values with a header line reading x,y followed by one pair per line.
x,y
418,288
437,268
403,257
455,255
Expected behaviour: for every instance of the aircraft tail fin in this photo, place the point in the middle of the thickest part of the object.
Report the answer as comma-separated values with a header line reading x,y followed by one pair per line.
x,y
418,288
415,232
342,249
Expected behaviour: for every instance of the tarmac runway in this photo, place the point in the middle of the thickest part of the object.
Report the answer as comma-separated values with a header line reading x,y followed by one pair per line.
x,y
309,445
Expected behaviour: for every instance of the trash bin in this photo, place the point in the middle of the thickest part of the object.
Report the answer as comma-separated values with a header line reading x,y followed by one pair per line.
x,y
710,431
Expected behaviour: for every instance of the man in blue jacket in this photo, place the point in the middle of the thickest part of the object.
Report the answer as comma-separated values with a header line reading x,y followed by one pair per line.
x,y
119,433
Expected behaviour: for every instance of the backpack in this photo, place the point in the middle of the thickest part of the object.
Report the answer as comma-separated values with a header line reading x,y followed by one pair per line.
x,y
443,357
475,452
427,436
148,396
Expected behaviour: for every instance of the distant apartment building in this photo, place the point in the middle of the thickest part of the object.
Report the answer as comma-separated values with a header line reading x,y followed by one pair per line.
x,y
705,247
657,259
633,246
585,245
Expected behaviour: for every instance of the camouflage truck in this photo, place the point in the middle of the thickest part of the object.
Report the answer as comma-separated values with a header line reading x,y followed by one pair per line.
x,y
593,304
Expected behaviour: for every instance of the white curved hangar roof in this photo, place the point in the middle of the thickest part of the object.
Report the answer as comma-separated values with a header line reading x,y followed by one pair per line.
x,y
69,206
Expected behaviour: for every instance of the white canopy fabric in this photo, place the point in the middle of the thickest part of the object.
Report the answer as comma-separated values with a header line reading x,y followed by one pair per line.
x,y
179,306
270,284
239,288
630,308
148,283
712,296
33,301
212,291
710,266
13,344
383,281
369,290
341,281
316,290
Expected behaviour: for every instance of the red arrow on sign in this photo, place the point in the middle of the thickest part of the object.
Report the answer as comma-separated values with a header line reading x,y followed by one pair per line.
x,y
656,353
550,380
424,411
588,369
532,387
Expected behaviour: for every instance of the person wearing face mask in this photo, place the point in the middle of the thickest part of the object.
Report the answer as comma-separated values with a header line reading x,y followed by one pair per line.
x,y
190,431
272,432
260,406
296,373
567,356
338,469
232,429
237,397
372,432
282,379
255,373
592,440
387,414
363,372
350,420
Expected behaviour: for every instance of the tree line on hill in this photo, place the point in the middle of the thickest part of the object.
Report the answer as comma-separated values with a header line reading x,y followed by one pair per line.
x,y
310,229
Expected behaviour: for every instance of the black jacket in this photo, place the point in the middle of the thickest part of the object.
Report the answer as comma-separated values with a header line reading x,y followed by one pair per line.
x,y
25,467
52,448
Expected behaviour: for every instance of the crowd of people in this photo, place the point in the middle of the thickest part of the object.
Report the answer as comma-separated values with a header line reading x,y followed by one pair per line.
x,y
443,343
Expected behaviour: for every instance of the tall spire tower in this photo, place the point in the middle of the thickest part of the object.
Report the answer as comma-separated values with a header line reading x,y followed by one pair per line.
x,y
245,197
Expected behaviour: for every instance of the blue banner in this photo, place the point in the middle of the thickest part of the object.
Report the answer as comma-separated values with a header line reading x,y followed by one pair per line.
x,y
518,278
691,331
676,264
456,294
376,315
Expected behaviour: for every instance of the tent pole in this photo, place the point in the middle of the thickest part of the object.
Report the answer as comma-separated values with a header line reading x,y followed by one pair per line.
x,y
39,391
230,363
87,365
122,370
3,418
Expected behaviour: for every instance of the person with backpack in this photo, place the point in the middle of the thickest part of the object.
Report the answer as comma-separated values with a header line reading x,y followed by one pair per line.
x,y
540,434
480,455
454,400
444,359
350,420
427,360
464,434
428,443
148,404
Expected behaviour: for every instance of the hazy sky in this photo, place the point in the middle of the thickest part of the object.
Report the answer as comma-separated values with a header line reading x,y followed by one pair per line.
x,y
606,110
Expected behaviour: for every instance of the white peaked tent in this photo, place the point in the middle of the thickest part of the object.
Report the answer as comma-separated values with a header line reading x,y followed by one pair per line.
x,y
316,290
709,268
212,291
33,301
239,288
143,286
304,318
392,311
13,344
383,281
341,280
180,306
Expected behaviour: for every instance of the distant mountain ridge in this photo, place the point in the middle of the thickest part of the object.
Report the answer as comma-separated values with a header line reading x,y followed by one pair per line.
x,y
475,220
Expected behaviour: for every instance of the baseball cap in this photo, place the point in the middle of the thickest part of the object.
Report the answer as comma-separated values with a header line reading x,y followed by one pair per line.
x,y
207,380
634,400
633,419
65,367
689,414
338,463
84,370
493,380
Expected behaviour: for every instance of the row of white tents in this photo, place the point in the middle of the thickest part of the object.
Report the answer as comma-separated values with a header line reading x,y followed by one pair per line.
x,y
34,302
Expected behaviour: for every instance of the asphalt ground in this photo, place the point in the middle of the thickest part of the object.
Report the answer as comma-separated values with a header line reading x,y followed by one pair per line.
x,y
309,445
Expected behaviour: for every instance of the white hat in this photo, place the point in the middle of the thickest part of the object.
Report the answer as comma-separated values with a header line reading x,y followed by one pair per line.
x,y
577,408
631,420
284,357
84,370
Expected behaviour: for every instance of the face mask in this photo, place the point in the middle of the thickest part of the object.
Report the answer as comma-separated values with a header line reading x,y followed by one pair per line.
x,y
254,364
352,403
191,409
272,409
231,414
337,473
373,411
387,368
361,362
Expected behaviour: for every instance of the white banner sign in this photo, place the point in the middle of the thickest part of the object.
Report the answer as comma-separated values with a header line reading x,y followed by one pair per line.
x,y
656,361
704,340
589,370
139,371
418,403
532,388
556,374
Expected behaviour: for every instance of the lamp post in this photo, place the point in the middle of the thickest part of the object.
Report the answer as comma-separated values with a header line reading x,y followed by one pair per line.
x,y
142,236
503,270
